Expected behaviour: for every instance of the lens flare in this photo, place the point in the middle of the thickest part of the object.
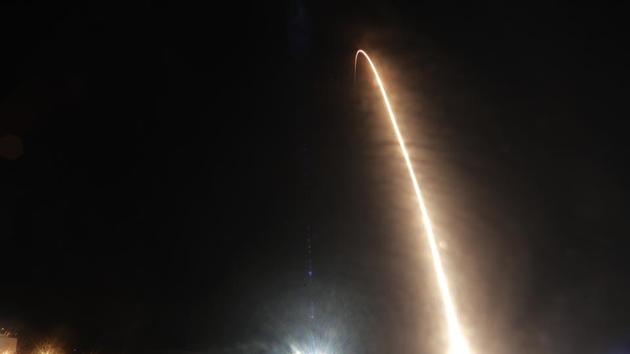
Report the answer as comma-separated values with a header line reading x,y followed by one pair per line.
x,y
457,341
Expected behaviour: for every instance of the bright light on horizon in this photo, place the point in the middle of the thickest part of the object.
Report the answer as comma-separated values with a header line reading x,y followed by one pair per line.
x,y
295,350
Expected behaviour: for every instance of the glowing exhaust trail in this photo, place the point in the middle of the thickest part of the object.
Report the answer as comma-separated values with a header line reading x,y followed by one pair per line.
x,y
457,342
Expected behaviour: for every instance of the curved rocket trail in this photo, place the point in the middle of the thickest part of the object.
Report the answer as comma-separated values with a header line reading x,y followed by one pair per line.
x,y
457,342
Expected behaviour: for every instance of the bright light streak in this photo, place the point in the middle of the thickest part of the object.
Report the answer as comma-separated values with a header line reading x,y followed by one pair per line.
x,y
457,341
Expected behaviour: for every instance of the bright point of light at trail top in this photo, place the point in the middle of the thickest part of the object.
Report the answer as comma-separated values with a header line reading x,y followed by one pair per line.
x,y
457,341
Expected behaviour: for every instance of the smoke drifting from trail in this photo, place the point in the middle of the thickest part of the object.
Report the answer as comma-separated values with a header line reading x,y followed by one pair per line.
x,y
457,341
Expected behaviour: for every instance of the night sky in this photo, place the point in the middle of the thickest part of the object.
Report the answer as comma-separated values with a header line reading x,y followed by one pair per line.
x,y
164,167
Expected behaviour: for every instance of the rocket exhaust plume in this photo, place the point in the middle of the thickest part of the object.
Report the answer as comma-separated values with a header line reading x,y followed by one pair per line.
x,y
457,342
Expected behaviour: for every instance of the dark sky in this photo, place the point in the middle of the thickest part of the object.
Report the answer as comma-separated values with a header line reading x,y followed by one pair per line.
x,y
164,163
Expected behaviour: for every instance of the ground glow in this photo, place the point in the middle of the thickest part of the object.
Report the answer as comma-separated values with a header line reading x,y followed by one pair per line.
x,y
313,349
457,341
